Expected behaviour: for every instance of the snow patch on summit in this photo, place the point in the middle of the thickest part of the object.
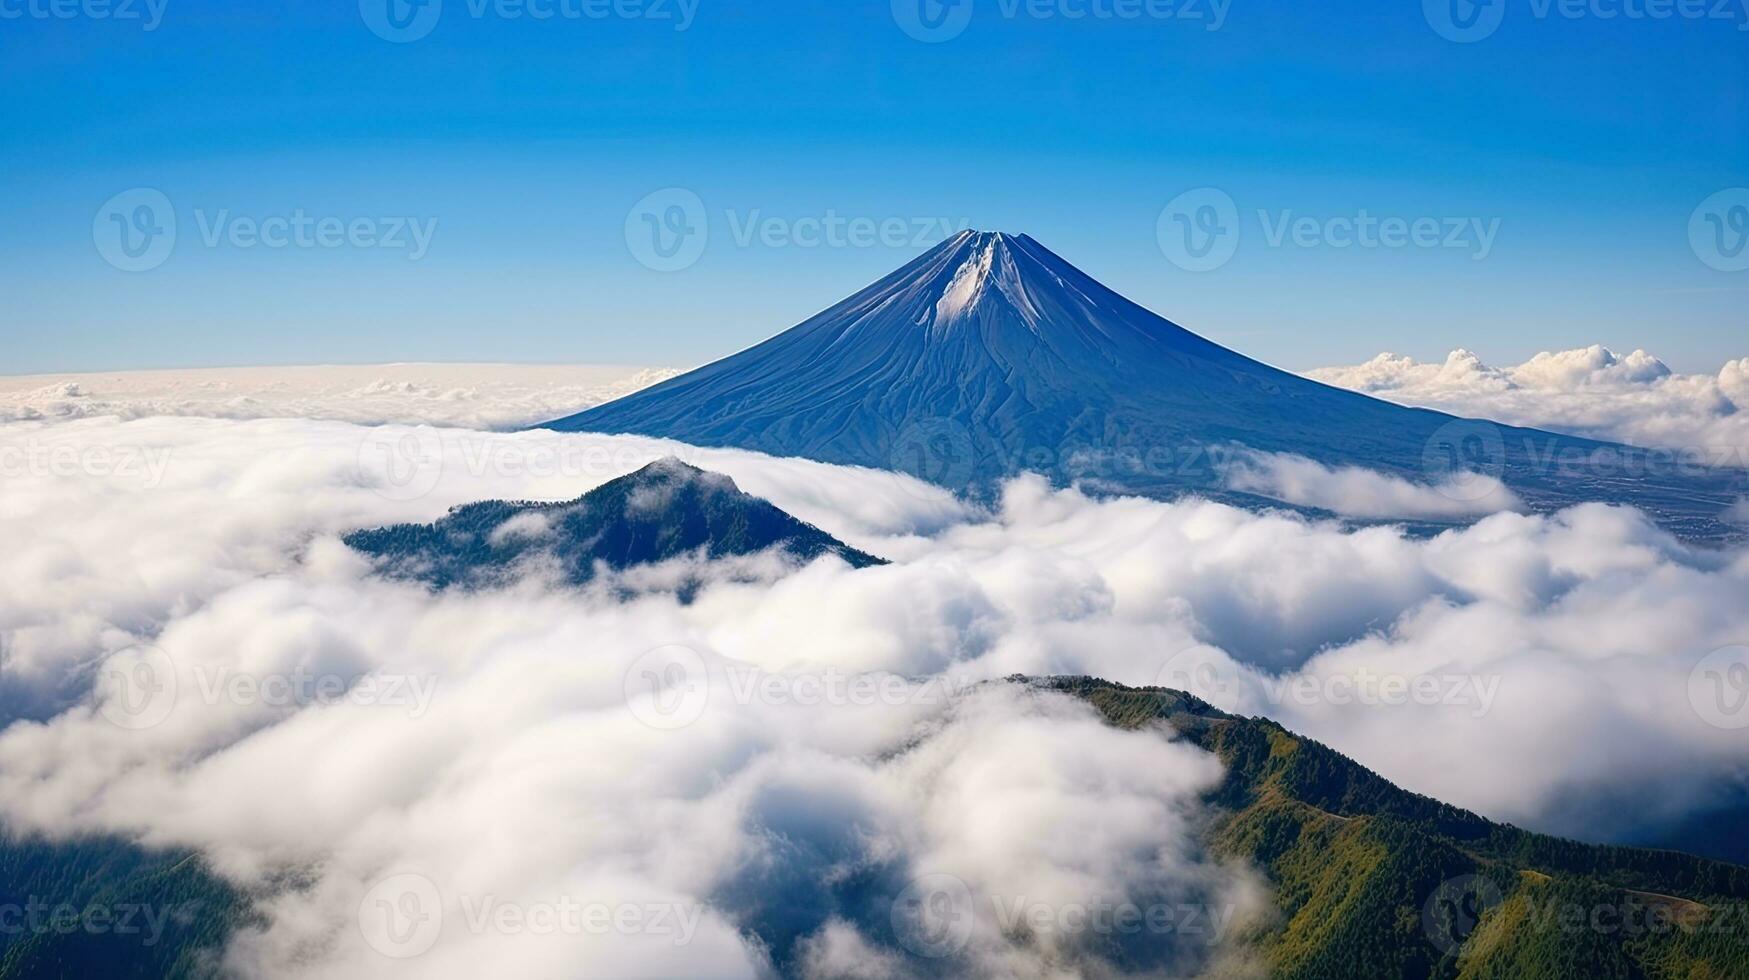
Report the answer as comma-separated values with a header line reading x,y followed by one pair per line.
x,y
967,284
992,263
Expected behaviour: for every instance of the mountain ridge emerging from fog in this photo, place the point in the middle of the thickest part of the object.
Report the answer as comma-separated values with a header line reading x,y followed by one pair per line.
x,y
1367,879
665,511
990,355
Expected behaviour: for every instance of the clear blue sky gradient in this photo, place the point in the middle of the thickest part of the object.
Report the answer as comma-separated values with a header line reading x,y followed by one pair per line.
x,y
1590,139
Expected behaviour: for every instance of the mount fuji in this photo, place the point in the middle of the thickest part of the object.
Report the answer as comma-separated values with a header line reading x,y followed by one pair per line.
x,y
990,355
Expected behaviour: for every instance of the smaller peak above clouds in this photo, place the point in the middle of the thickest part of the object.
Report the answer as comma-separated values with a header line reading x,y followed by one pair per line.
x,y
667,512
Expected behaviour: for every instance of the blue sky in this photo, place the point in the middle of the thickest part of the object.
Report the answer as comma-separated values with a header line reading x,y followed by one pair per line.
x,y
523,144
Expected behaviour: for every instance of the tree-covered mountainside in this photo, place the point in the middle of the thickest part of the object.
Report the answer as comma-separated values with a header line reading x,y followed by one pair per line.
x,y
666,510
106,908
1368,880
1373,881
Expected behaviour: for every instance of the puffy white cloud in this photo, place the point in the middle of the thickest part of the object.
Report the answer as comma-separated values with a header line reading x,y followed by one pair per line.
x,y
837,746
1356,492
1590,391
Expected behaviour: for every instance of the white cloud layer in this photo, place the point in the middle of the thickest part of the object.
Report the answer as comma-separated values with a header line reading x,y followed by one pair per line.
x,y
484,396
1356,492
1590,391
830,746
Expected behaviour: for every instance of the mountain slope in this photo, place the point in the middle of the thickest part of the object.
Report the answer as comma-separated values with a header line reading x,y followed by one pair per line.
x,y
667,510
1371,880
1368,880
990,355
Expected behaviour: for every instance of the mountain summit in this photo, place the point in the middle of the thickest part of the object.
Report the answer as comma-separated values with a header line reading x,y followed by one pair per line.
x,y
668,510
990,355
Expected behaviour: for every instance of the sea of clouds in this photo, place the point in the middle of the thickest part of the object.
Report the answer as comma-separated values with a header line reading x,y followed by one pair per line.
x,y
810,772
1589,391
